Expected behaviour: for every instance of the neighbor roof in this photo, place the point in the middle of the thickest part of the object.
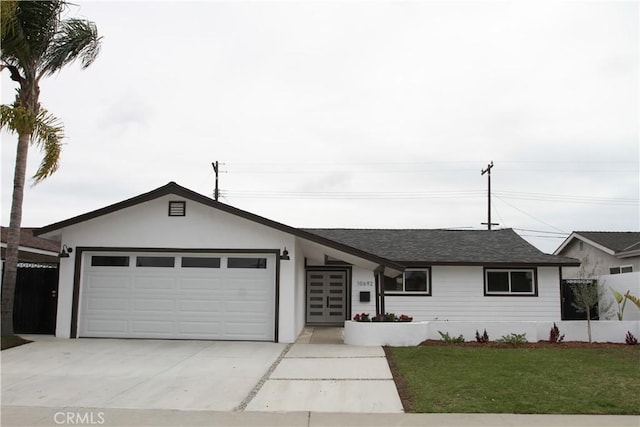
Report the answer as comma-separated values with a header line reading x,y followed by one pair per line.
x,y
617,243
439,246
32,249
28,240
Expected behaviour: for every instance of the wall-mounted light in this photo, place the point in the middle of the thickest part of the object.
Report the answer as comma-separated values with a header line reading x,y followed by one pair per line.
x,y
64,253
284,255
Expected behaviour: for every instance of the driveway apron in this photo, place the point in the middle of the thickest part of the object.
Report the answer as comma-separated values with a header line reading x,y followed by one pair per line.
x,y
136,374
329,378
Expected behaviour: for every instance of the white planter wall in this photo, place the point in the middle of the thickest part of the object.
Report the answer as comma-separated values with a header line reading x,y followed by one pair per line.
x,y
398,334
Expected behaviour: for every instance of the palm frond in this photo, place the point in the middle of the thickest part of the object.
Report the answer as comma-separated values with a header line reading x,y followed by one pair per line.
x,y
75,39
8,19
30,30
17,119
47,134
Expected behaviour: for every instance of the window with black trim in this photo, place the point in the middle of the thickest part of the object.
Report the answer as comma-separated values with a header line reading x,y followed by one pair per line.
x,y
621,269
247,263
510,282
411,282
109,261
200,262
155,261
177,208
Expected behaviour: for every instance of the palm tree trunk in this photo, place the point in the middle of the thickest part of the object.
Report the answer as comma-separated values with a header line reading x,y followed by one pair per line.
x,y
13,235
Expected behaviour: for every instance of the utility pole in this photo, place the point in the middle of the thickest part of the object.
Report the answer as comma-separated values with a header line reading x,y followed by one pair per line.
x,y
488,172
216,169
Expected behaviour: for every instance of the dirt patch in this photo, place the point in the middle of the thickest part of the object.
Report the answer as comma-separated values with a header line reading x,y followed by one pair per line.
x,y
401,384
539,344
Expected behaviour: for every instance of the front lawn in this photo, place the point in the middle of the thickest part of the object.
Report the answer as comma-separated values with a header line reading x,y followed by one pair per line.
x,y
459,379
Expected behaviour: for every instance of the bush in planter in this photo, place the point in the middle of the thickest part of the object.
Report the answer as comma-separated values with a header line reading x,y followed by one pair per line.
x,y
387,317
405,318
362,317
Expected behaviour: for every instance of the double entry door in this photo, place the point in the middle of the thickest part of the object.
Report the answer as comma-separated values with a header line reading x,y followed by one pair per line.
x,y
326,297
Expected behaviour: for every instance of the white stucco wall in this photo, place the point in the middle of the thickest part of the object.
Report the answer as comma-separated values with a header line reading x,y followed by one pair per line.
x,y
362,281
458,294
148,225
594,260
621,283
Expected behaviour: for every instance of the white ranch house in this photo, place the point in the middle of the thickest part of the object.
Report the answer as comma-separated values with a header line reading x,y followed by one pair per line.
x,y
172,263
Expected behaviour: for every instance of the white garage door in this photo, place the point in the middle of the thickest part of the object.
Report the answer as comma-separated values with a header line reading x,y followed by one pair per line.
x,y
178,295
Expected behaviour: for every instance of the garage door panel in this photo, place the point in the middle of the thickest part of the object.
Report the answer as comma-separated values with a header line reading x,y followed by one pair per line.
x,y
179,302
201,328
210,305
151,326
108,327
154,304
108,282
154,282
101,303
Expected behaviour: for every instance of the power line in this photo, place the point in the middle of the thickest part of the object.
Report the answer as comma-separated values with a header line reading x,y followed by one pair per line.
x,y
531,216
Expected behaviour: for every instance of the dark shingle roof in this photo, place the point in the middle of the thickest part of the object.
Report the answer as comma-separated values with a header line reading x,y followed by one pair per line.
x,y
27,239
444,246
617,241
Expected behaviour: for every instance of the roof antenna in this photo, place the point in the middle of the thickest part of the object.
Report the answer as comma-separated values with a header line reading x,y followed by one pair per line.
x,y
488,171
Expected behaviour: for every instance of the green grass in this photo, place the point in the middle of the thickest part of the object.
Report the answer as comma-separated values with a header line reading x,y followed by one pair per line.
x,y
451,379
12,341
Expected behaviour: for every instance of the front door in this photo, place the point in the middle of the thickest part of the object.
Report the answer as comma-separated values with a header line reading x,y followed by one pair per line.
x,y
326,296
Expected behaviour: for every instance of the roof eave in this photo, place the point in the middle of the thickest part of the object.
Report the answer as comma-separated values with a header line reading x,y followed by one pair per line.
x,y
173,188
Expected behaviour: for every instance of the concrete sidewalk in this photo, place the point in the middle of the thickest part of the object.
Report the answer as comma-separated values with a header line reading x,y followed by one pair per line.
x,y
43,416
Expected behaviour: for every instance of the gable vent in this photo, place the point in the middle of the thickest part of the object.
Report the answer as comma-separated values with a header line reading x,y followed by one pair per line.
x,y
177,208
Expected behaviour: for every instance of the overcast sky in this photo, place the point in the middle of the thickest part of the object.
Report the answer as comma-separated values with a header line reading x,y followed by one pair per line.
x,y
362,114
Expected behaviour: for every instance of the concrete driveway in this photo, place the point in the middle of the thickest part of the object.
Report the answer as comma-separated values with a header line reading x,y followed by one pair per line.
x,y
136,374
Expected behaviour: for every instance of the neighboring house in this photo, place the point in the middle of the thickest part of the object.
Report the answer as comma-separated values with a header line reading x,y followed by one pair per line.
x,y
35,298
172,263
610,257
32,249
602,252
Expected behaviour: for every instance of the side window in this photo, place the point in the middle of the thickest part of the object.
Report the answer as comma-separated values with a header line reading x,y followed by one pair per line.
x,y
510,282
411,282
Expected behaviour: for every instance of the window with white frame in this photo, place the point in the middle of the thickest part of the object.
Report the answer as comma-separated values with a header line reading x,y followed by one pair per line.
x,y
510,281
621,269
411,282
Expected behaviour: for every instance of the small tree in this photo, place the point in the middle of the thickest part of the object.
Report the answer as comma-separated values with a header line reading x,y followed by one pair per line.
x,y
585,298
587,293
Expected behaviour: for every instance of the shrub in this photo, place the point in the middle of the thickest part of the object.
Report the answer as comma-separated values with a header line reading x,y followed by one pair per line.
x,y
514,339
482,338
449,339
362,317
554,335
630,339
405,318
387,317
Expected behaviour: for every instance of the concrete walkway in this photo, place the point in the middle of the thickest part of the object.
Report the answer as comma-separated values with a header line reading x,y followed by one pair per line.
x,y
320,374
